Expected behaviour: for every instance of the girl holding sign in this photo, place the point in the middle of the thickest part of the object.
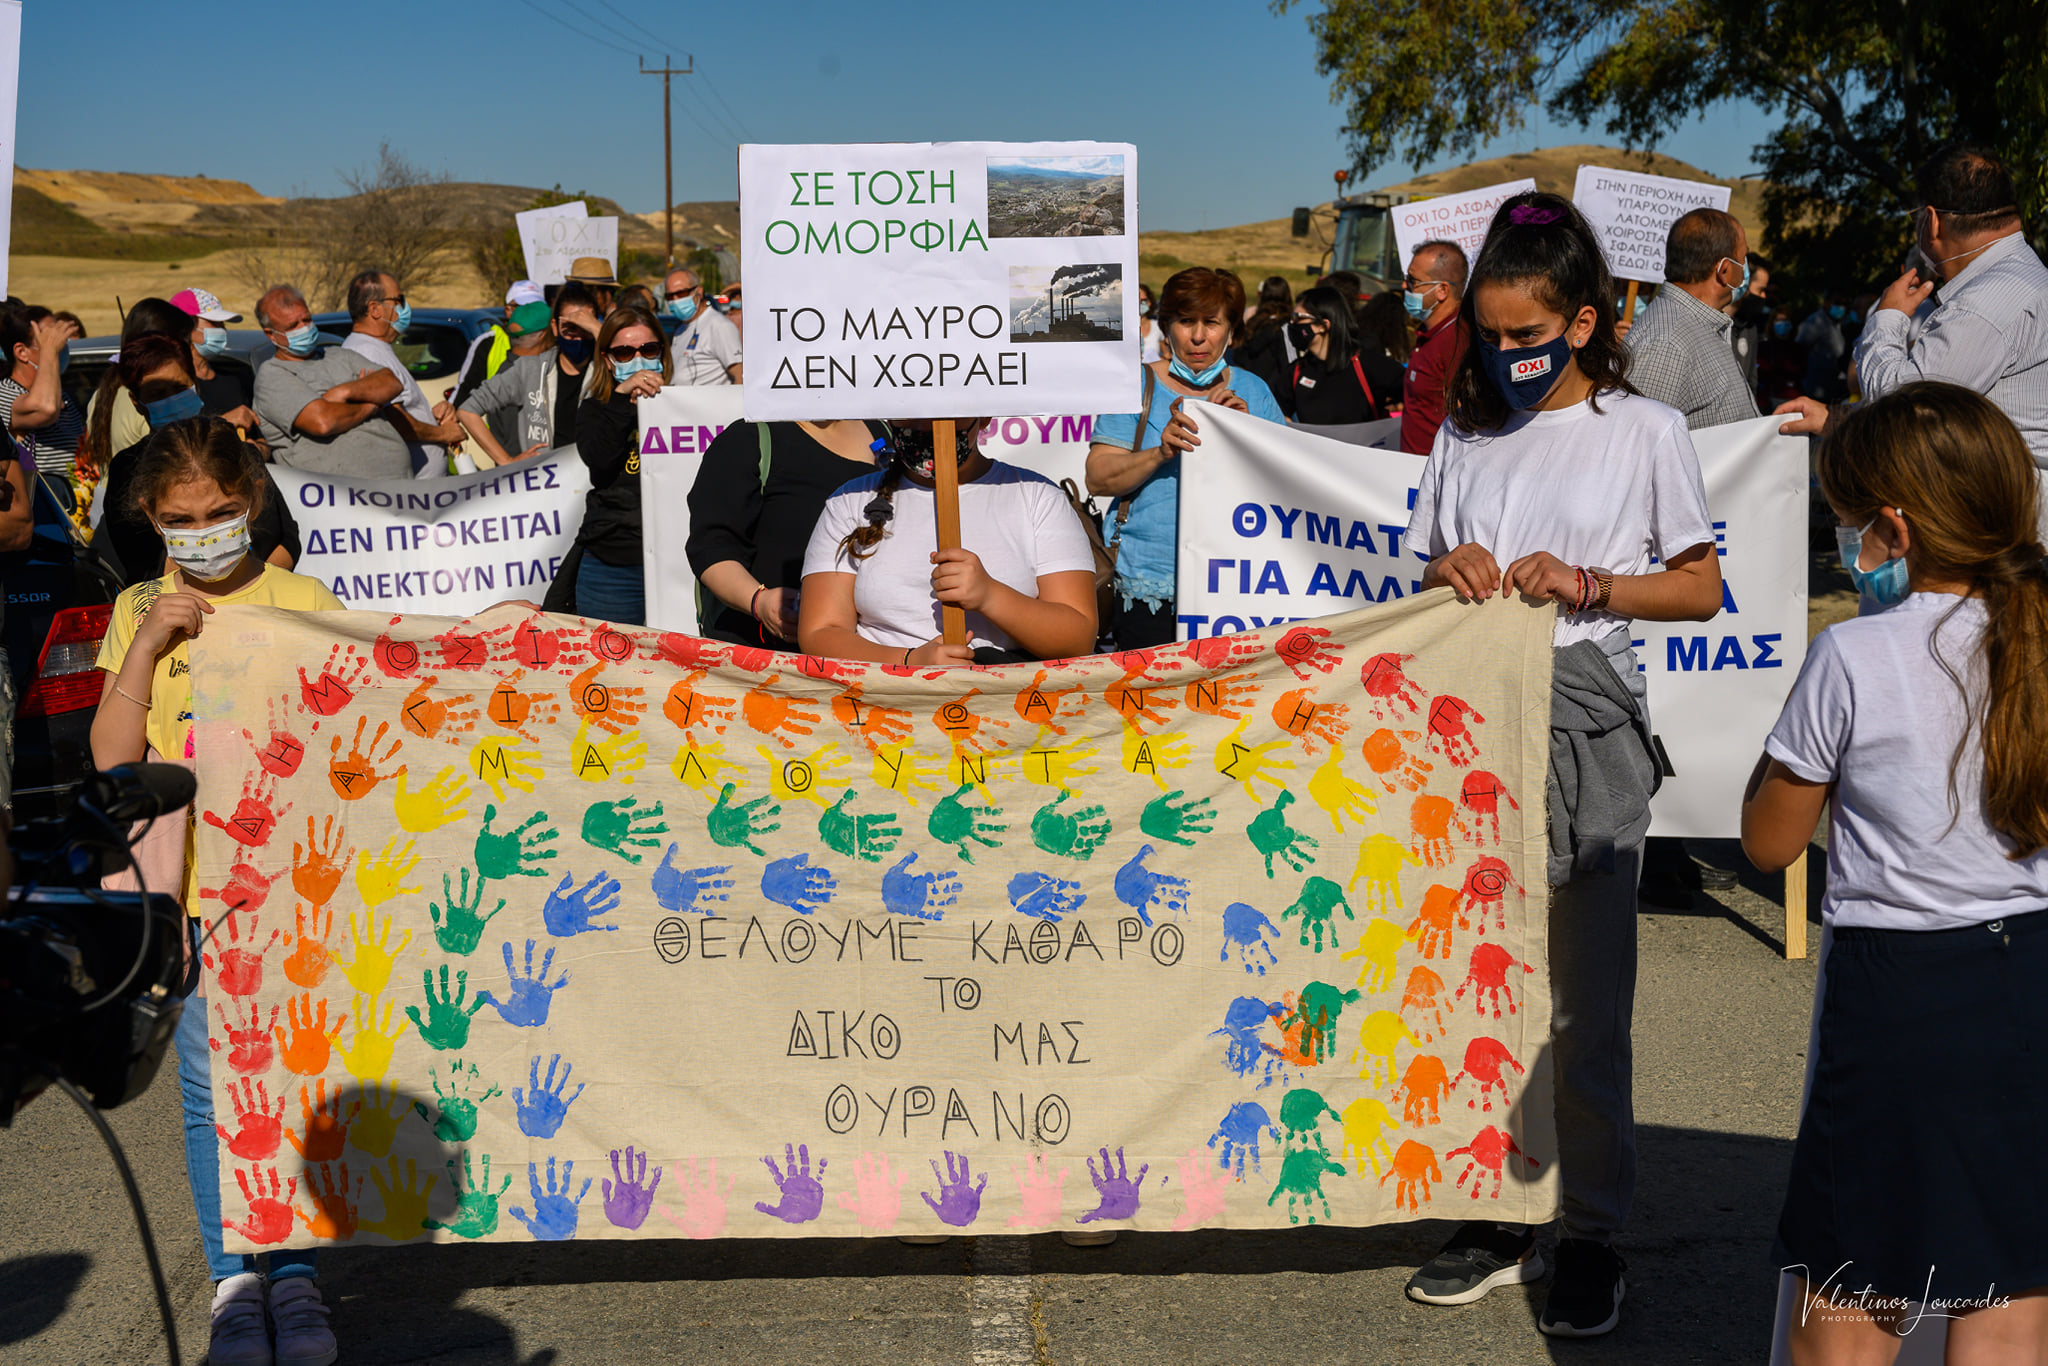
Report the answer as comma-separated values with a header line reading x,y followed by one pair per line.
x,y
1924,724
1555,479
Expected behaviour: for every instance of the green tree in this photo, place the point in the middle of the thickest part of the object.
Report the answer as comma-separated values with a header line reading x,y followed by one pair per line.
x,y
1865,93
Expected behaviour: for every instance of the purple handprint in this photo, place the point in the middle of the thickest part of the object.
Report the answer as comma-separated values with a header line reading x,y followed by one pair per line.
x,y
924,895
1045,896
627,1200
541,1107
958,1202
794,883
554,1213
1239,1133
1140,888
526,1002
1245,928
690,889
575,912
1118,1191
803,1195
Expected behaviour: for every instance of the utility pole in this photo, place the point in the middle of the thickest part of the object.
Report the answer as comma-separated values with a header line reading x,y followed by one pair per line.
x,y
668,161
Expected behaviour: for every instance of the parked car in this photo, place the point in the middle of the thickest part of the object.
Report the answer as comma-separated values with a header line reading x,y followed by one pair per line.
x,y
433,348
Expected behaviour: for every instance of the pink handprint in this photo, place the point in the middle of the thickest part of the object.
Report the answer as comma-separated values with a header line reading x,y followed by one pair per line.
x,y
1203,1189
877,1198
1481,795
704,1211
1038,1192
1388,687
1448,732
1487,975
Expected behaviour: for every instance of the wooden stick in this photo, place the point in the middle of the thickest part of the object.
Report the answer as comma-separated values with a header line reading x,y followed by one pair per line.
x,y
946,512
1628,307
1795,908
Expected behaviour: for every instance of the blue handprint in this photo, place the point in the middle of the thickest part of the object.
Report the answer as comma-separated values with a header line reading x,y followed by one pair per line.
x,y
924,895
1242,1022
794,883
1140,888
803,1195
554,1213
526,1002
1045,896
541,1106
1239,1133
1245,928
690,889
626,1203
575,912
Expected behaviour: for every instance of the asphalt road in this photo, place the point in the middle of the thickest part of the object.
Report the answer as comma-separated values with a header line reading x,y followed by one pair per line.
x,y
1721,1026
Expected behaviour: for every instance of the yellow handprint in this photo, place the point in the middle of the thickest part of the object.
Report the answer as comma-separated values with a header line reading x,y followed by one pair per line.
x,y
434,805
1380,860
368,1055
1248,764
1058,765
384,1108
1377,946
615,756
498,762
703,767
979,770
405,1204
1340,796
813,778
901,769
370,969
378,879
1150,756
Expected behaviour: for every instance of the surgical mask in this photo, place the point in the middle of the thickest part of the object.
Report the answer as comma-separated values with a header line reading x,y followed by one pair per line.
x,y
575,350
625,370
210,553
403,318
1303,335
1836,311
213,341
1418,305
302,341
1782,328
1525,375
1742,288
1180,371
683,309
173,408
1885,584
1144,308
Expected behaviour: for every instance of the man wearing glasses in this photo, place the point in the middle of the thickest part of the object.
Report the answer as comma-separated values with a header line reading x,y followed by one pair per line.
x,y
706,346
379,315
1432,291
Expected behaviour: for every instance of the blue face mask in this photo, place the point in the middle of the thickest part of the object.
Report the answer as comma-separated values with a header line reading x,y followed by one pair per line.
x,y
213,341
683,309
1524,375
575,350
1782,328
302,341
403,318
1418,305
1836,311
625,370
174,408
1886,584
1179,370
1742,288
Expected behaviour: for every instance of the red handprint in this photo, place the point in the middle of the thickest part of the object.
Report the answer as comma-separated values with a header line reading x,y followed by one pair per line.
x,y
354,775
1429,825
397,658
270,1212
610,709
1046,707
249,1050
1486,889
283,752
463,650
239,967
1415,1164
1487,975
610,644
1388,687
963,725
510,709
778,716
335,688
1431,927
690,652
325,1126
426,715
1422,1087
1303,649
871,723
1383,753
1489,1150
257,1130
1229,696
536,647
318,865
1481,795
1313,723
246,890
752,659
334,1203
307,1048
1222,652
1138,664
828,670
1483,1059
253,818
1448,733
306,965
1422,1003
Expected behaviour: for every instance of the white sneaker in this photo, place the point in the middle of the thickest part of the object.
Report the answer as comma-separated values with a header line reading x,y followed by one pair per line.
x,y
1101,1237
299,1319
240,1335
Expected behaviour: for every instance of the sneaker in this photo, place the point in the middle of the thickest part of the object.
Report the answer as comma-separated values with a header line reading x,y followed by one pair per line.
x,y
1099,1237
299,1322
1478,1257
240,1335
924,1239
1585,1299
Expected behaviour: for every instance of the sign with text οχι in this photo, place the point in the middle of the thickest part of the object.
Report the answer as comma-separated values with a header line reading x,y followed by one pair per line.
x,y
553,238
1462,218
538,928
438,545
1632,213
941,279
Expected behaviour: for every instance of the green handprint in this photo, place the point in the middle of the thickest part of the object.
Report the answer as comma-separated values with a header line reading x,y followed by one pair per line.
x,y
1270,834
734,824
447,1024
1164,818
476,1211
958,824
456,1120
513,853
1319,899
618,828
1075,833
459,929
866,836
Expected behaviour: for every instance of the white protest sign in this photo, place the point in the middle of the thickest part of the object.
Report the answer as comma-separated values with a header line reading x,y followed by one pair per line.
x,y
447,546
535,237
1632,213
1285,525
1056,447
10,78
1460,218
677,426
940,279
552,244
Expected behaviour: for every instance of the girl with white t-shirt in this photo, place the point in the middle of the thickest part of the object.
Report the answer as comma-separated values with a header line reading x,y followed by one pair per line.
x,y
1554,479
874,581
1916,1171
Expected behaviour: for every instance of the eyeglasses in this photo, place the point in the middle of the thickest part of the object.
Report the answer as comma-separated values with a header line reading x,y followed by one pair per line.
x,y
650,351
1415,286
398,299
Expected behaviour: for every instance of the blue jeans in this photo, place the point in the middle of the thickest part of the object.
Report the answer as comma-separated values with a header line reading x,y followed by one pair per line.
x,y
202,1149
610,592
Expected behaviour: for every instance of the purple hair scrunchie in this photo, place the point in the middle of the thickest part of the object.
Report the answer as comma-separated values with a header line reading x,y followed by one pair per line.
x,y
1527,214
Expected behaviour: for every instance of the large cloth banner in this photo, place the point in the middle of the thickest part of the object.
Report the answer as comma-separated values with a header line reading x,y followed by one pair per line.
x,y
543,929
1287,526
439,545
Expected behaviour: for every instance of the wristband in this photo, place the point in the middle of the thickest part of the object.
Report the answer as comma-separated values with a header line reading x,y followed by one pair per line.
x,y
751,602
123,692
906,657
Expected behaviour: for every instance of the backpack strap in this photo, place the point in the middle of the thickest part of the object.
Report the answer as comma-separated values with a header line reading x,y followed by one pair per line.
x,y
1123,501
767,451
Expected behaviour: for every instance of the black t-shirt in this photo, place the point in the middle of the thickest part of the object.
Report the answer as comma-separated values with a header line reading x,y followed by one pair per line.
x,y
568,397
1326,395
138,552
608,439
233,386
766,527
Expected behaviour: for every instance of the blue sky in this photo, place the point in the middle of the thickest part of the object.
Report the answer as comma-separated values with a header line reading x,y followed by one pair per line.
x,y
1231,121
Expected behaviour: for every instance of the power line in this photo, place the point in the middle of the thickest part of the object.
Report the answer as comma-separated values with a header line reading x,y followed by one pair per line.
x,y
581,33
730,131
649,33
728,108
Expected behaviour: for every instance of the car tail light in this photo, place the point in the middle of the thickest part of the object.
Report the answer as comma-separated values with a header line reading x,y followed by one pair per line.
x,y
67,676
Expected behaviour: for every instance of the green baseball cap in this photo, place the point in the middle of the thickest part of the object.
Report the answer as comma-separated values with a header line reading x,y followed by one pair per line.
x,y
528,319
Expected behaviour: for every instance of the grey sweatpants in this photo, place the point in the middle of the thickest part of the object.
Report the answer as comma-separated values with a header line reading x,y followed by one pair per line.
x,y
1592,1000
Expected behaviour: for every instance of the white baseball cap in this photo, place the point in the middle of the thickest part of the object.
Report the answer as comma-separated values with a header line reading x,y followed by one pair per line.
x,y
201,304
524,292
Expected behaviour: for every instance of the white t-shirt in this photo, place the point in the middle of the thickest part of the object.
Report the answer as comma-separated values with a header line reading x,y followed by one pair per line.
x,y
411,398
703,350
1606,489
1874,713
1018,522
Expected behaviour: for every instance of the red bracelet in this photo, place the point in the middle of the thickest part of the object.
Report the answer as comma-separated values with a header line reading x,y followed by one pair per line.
x,y
751,602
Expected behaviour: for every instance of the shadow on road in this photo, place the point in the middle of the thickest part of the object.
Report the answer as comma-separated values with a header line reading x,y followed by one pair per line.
x,y
35,1292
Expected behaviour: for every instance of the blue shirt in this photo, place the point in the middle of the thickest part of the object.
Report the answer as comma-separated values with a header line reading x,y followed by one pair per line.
x,y
1146,562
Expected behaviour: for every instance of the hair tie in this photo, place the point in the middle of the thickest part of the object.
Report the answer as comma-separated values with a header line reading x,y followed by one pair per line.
x,y
1523,215
879,511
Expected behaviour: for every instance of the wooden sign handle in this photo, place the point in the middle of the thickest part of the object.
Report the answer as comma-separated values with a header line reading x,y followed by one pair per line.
x,y
946,511
1628,307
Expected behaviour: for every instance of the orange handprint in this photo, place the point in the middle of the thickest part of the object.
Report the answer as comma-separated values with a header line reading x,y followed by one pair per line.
x,y
1313,723
1230,696
602,705
1047,707
871,723
1424,997
1429,822
1431,928
688,706
1139,706
307,964
1382,752
306,1049
1415,1165
427,716
323,1127
317,866
963,725
513,710
1423,1087
354,775
334,1203
778,716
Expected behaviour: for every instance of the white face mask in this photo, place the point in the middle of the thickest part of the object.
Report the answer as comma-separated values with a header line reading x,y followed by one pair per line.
x,y
209,553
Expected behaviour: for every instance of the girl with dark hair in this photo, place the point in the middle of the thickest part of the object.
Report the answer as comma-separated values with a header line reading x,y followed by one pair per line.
x,y
1552,478
41,418
873,583
632,363
1332,381
1135,457
201,486
1923,730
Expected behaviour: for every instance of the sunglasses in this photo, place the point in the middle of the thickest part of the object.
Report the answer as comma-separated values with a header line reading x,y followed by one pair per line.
x,y
650,351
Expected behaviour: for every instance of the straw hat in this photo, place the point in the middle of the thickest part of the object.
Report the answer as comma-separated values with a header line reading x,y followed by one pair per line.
x,y
591,270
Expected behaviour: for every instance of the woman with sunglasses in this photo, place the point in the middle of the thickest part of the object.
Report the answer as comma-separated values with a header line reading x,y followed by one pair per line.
x,y
632,364
1332,381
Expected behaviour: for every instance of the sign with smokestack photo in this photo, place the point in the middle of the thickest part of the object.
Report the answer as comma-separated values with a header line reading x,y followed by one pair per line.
x,y
941,279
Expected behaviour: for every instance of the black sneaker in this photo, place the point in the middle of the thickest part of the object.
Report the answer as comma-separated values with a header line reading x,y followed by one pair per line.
x,y
1478,1257
1585,1299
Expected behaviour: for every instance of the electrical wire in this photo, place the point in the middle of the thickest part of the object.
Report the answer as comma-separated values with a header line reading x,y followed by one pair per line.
x,y
581,33
148,919
156,1268
728,108
649,33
